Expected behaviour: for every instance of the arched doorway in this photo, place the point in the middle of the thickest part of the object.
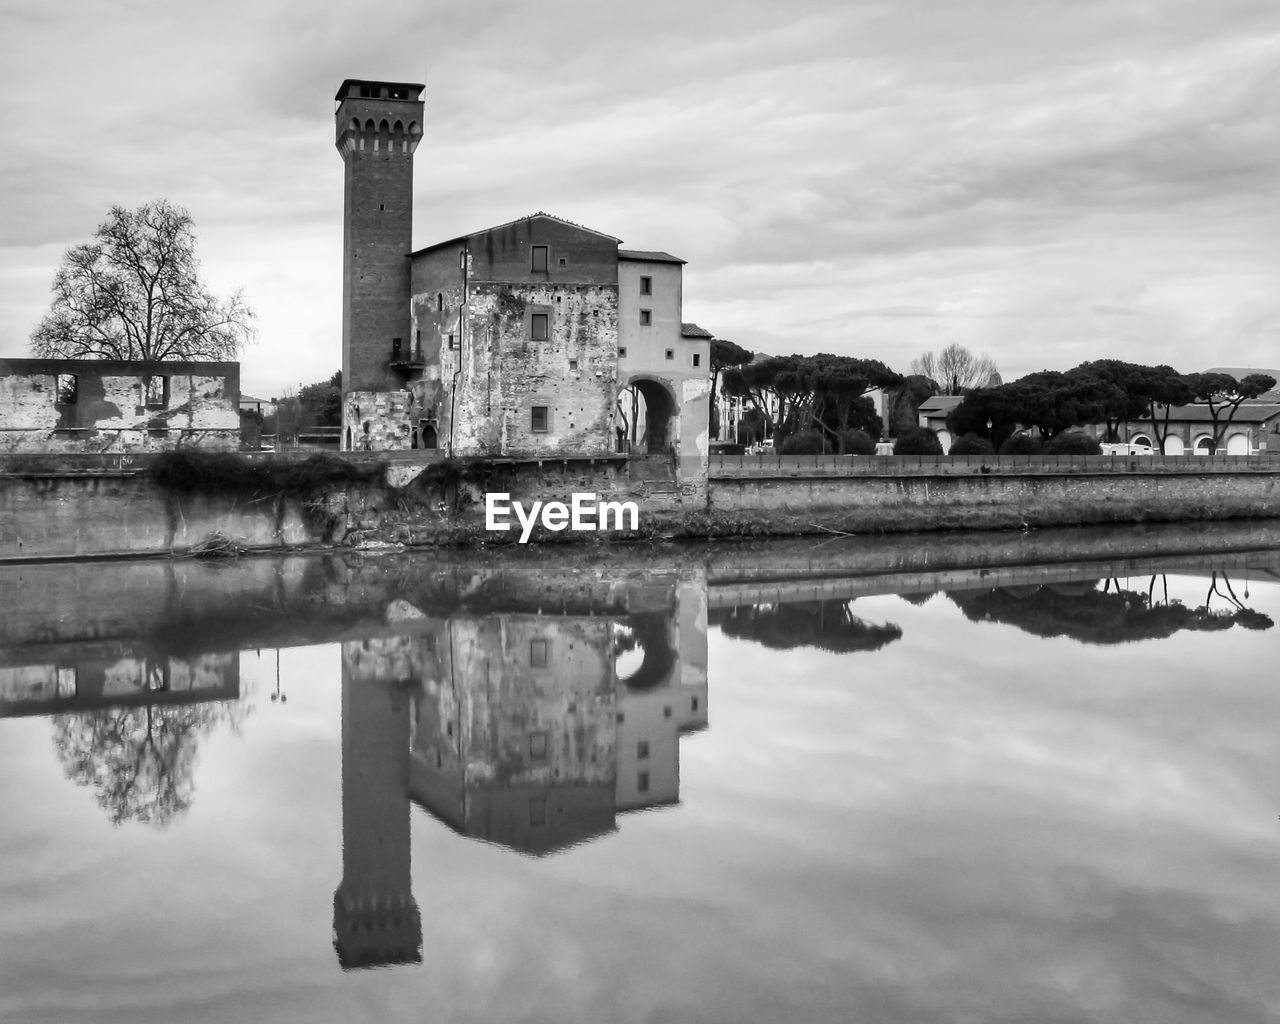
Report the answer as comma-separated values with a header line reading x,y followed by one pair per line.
x,y
645,417
1204,445
1173,445
1141,439
1238,444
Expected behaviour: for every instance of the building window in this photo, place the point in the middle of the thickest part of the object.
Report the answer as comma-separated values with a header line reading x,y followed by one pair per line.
x,y
439,301
563,262
369,92
646,286
573,364
671,353
155,390
622,351
66,389
642,782
453,341
621,717
539,324
697,359
642,750
540,422
538,647
539,259
646,317
538,746
396,345
666,711
693,704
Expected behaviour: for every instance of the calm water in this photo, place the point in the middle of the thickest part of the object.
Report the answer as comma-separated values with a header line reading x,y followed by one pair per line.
x,y
889,781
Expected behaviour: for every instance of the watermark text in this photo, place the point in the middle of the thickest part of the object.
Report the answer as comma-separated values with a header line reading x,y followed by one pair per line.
x,y
585,513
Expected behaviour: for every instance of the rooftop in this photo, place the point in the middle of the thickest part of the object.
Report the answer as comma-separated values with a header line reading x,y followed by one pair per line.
x,y
694,331
649,256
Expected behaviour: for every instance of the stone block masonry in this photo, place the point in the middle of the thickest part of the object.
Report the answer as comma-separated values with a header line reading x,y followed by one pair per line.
x,y
81,506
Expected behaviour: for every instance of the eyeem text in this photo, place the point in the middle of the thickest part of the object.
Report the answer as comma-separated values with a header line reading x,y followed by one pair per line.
x,y
585,512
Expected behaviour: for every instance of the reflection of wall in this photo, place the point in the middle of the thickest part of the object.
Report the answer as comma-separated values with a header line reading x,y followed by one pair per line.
x,y
514,740
652,719
375,918
82,677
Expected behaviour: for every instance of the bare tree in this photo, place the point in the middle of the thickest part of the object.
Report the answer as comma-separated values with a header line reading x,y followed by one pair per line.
x,y
134,293
956,369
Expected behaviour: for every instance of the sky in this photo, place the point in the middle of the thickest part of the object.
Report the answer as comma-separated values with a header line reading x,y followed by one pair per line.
x,y
1043,182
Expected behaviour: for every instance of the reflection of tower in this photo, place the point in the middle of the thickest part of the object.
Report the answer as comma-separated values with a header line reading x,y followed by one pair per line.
x,y
665,697
375,918
514,738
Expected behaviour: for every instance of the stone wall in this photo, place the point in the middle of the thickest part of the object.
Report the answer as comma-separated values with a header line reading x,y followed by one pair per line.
x,y
73,511
92,405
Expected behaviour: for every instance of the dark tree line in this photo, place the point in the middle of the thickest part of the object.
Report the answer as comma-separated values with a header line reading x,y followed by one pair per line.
x,y
1106,391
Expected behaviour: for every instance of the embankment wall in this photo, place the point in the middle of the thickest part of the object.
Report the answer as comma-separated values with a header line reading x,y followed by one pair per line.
x,y
70,508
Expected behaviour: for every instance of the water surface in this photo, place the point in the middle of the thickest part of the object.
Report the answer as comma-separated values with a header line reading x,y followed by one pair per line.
x,y
786,782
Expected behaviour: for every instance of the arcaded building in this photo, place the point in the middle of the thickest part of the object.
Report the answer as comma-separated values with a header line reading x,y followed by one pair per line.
x,y
512,341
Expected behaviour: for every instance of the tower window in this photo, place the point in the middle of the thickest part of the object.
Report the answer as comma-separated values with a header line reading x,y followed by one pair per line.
x,y
539,259
439,301
573,364
646,317
671,353
642,782
642,750
697,359
538,746
646,286
538,326
622,351
540,423
563,262
538,647
395,93
453,341
369,92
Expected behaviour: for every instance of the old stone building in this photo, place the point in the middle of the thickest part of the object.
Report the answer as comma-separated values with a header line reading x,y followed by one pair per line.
x,y
511,341
99,405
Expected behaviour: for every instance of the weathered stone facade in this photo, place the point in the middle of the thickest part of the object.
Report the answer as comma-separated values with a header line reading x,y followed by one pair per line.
x,y
504,342
95,405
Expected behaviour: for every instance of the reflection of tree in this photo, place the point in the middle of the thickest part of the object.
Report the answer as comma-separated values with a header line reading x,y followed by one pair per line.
x,y
1104,616
139,760
827,625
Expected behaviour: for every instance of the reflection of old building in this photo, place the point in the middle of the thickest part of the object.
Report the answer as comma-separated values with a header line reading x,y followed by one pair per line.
x,y
513,740
662,697
375,918
68,677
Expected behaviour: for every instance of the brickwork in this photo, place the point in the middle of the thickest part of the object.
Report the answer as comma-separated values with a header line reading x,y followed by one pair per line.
x,y
378,127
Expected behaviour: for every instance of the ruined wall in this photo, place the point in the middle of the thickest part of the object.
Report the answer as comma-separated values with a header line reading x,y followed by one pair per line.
x,y
104,406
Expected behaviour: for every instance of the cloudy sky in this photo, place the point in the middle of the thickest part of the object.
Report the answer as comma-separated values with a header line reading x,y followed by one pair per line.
x,y
1046,182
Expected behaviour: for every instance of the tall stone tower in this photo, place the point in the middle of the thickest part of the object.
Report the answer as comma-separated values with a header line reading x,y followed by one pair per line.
x,y
378,126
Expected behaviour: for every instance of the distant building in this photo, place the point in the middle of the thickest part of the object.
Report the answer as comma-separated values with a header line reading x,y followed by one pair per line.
x,y
510,341
933,413
98,405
